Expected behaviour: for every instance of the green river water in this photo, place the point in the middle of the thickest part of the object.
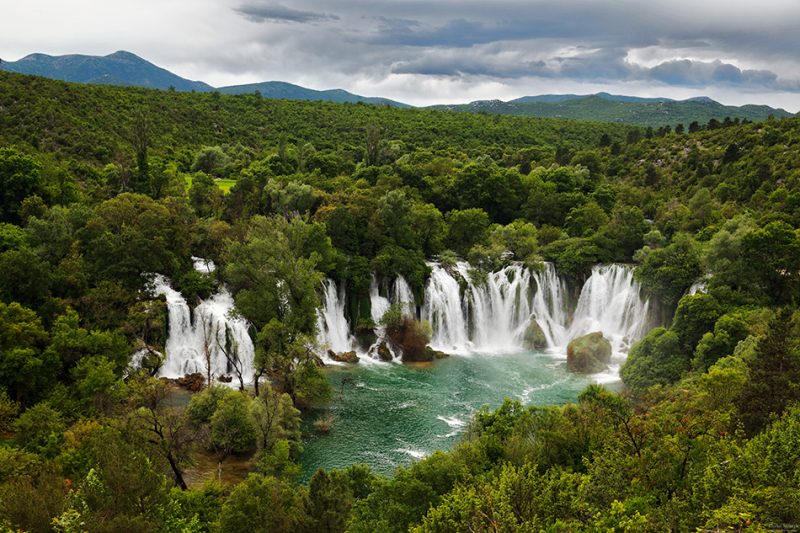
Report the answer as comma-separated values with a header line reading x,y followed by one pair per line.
x,y
388,414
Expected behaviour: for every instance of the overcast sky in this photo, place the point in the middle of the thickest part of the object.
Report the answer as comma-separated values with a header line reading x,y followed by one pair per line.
x,y
440,51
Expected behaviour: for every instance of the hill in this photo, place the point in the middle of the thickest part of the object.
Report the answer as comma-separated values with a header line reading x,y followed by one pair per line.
x,y
70,118
129,70
289,91
120,68
623,109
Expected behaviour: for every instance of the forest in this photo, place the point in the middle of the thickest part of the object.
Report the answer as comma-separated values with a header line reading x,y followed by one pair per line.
x,y
102,187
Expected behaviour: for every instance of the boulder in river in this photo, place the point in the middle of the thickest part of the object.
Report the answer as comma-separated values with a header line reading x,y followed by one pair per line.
x,y
343,357
588,354
534,338
384,354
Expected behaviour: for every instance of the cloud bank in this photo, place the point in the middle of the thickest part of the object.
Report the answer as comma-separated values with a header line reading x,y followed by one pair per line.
x,y
443,51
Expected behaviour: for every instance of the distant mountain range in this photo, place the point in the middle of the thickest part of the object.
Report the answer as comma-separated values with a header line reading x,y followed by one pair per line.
x,y
606,107
127,69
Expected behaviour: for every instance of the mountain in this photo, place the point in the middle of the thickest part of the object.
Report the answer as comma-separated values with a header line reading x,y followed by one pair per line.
x,y
289,91
127,69
606,107
119,68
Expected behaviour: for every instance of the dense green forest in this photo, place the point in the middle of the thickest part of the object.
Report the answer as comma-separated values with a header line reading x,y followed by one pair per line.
x,y
100,186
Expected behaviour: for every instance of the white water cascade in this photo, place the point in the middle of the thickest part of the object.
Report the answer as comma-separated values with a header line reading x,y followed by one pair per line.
x,y
492,316
333,328
204,336
610,302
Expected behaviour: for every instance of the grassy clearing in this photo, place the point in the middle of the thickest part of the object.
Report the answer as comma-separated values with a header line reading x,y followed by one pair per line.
x,y
223,184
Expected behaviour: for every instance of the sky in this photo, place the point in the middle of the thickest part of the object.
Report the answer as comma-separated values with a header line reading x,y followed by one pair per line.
x,y
440,51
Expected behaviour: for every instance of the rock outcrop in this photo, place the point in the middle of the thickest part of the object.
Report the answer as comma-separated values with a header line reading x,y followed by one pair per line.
x,y
588,354
534,338
343,357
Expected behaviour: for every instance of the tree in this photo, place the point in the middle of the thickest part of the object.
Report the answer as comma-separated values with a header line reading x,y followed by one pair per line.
x,y
165,428
373,145
264,504
669,272
19,178
40,429
140,139
467,228
134,234
655,360
224,417
276,419
270,280
774,375
211,160
25,369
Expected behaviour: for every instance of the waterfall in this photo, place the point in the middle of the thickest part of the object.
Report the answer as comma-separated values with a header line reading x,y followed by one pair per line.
x,y
378,304
491,316
404,296
445,311
549,304
205,336
610,302
333,328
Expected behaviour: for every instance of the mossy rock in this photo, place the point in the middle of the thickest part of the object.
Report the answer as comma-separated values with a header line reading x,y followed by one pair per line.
x,y
343,357
589,354
534,338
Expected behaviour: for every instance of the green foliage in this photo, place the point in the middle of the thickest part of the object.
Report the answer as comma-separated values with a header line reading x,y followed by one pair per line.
x,y
668,272
19,179
270,278
658,359
467,228
263,504
40,429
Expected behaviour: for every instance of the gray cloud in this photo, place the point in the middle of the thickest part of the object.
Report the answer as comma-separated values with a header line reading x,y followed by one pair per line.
x,y
269,12
445,50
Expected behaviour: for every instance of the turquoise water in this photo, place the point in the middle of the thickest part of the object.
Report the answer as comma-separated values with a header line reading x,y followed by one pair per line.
x,y
388,414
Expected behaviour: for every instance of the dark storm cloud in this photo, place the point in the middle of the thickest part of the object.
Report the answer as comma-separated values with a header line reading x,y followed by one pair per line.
x,y
269,12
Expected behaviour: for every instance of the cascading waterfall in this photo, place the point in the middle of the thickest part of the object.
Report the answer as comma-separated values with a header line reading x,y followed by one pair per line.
x,y
610,302
207,336
404,296
549,304
489,316
333,328
492,316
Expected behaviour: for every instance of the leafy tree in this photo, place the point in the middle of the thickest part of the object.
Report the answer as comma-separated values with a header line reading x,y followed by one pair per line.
x,y
467,228
40,429
669,272
211,160
19,178
696,314
25,370
655,360
774,375
133,234
270,280
263,504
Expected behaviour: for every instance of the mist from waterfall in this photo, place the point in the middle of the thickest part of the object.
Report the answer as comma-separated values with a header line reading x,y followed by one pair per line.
x,y
207,335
